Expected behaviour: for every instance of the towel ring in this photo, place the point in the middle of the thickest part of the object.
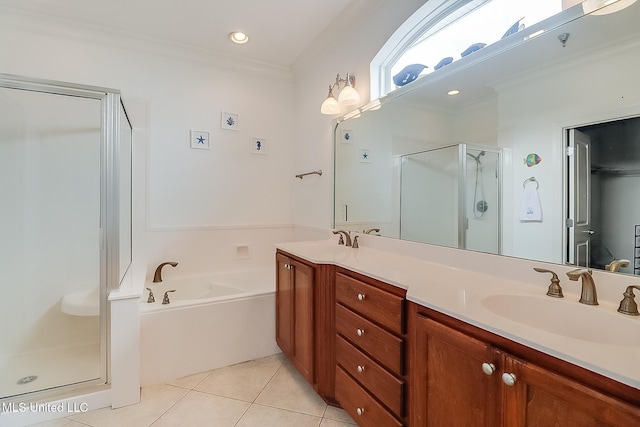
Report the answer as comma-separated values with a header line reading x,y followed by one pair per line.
x,y
532,179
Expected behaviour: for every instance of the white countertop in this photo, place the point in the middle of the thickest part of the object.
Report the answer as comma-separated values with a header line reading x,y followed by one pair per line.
x,y
462,293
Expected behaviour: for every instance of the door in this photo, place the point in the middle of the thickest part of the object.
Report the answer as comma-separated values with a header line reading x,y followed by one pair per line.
x,y
579,221
537,397
455,380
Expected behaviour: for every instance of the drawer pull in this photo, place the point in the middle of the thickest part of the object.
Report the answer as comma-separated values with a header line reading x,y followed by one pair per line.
x,y
360,411
360,332
360,368
488,368
509,379
361,297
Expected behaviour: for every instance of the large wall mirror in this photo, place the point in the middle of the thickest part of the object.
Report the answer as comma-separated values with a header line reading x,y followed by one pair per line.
x,y
537,157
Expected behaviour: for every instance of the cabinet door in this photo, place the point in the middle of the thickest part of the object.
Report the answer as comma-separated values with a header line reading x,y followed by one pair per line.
x,y
284,305
453,382
303,309
539,397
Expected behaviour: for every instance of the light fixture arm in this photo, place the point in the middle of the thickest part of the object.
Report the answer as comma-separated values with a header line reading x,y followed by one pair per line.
x,y
350,80
348,96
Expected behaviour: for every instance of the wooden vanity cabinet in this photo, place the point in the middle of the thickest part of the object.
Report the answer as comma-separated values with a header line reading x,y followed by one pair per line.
x,y
305,319
294,312
370,351
457,380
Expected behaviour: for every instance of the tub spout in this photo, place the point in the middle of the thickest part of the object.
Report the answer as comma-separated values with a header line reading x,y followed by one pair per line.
x,y
157,276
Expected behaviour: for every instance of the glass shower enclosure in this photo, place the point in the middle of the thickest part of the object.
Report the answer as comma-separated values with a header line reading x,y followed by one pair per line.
x,y
65,222
450,196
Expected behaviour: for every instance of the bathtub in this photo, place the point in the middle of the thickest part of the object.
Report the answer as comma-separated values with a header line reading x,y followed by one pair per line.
x,y
212,321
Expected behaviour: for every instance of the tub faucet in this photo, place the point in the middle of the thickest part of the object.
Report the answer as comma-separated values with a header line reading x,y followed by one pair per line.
x,y
347,237
157,276
165,299
616,264
371,230
588,295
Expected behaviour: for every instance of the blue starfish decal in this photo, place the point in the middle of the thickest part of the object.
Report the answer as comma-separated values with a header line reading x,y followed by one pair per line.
x,y
200,140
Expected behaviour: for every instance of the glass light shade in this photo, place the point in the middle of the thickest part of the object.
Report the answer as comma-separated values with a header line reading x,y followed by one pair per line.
x,y
330,106
348,96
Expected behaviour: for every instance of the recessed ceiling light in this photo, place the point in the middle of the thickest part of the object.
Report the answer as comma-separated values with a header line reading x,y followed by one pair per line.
x,y
239,37
453,92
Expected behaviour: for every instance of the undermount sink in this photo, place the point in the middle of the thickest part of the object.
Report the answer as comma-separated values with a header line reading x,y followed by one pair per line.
x,y
566,318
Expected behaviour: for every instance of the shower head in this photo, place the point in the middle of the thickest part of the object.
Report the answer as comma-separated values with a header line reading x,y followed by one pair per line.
x,y
477,158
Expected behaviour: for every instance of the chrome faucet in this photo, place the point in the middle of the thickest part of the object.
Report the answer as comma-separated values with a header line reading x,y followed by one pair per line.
x,y
347,237
616,264
588,295
157,276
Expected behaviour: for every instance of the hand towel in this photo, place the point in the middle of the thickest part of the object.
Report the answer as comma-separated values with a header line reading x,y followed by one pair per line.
x,y
530,208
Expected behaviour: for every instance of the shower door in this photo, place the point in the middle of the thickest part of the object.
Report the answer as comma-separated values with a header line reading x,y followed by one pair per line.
x,y
55,149
429,200
450,196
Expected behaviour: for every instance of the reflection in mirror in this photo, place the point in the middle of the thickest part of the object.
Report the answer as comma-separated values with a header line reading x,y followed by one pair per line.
x,y
518,106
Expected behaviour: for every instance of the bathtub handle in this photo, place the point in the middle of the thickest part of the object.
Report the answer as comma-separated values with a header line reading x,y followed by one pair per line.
x,y
151,297
165,300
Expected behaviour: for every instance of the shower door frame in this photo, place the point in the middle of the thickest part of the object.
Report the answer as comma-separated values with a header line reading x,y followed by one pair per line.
x,y
110,104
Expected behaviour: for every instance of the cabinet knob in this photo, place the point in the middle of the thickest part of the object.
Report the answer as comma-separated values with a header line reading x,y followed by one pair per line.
x,y
360,368
360,411
509,379
488,368
360,332
361,297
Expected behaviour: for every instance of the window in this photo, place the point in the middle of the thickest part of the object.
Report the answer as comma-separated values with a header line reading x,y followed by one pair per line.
x,y
444,31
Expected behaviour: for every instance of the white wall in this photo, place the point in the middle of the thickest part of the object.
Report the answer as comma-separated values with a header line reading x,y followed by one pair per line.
x,y
347,46
533,111
188,189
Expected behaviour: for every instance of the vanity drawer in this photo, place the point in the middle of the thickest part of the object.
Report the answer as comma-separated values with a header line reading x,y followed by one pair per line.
x,y
385,386
378,305
383,346
359,404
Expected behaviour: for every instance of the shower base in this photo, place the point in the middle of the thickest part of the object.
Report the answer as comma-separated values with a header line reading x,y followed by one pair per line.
x,y
53,368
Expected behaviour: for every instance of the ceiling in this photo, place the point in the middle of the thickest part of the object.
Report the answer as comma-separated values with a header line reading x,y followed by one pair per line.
x,y
279,30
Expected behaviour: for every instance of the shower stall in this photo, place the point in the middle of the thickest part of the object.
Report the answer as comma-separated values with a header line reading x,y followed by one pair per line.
x,y
450,196
65,222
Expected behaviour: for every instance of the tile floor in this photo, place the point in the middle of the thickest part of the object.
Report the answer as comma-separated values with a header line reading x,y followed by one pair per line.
x,y
264,392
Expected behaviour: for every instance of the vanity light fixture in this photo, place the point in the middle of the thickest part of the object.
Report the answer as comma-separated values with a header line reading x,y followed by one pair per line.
x,y
453,92
348,95
238,37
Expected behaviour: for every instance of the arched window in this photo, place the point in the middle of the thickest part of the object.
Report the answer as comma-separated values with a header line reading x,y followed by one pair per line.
x,y
444,31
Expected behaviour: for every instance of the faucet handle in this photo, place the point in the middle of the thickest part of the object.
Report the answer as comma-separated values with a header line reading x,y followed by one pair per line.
x,y
554,290
628,304
355,243
165,300
151,297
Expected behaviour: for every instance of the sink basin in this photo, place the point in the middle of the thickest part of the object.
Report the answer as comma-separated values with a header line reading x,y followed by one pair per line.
x,y
567,318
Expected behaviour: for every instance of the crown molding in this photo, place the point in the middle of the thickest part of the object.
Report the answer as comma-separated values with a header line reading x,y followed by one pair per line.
x,y
79,31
